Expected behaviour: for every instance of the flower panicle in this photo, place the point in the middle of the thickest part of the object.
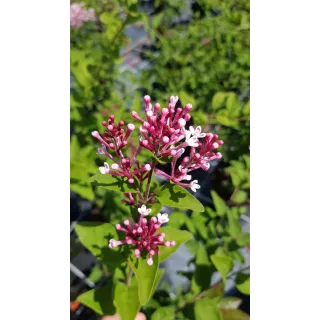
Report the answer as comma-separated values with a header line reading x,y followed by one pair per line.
x,y
143,234
163,132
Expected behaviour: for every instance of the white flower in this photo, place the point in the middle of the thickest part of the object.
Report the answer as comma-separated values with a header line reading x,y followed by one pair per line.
x,y
105,169
192,141
143,210
114,243
102,150
194,185
174,99
163,218
196,132
186,177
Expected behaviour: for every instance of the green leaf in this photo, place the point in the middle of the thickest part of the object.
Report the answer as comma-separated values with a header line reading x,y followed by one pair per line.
x,y
95,237
246,108
157,20
99,300
179,236
96,273
215,291
234,226
110,182
156,208
243,283
192,246
163,313
243,239
219,203
230,303
159,275
202,275
84,190
231,314
126,300
177,219
223,263
233,105
206,309
146,276
239,196
172,195
218,100
225,119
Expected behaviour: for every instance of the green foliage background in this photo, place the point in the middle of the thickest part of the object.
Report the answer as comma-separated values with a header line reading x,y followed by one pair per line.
x,y
205,61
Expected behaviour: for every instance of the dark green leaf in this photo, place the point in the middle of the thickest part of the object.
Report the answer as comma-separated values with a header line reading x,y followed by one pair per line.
x,y
243,283
100,300
110,182
126,300
204,269
175,196
163,313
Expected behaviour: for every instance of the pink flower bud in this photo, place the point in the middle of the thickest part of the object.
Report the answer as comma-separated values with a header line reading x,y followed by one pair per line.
x,y
150,262
215,145
165,139
147,99
130,126
95,134
165,111
181,123
147,167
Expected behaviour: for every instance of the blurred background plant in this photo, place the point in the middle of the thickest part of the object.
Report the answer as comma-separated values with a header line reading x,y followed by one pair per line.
x,y
198,50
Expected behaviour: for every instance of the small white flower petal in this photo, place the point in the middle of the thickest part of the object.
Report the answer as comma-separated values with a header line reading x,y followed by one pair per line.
x,y
162,218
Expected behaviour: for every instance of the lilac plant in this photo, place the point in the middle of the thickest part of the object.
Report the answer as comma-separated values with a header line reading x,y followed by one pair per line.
x,y
163,132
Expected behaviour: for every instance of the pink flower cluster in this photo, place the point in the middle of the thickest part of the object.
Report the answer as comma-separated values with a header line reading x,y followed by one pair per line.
x,y
164,134
143,234
79,15
115,138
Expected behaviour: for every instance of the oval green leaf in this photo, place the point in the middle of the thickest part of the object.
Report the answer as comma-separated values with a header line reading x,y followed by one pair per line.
x,y
172,195
179,236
